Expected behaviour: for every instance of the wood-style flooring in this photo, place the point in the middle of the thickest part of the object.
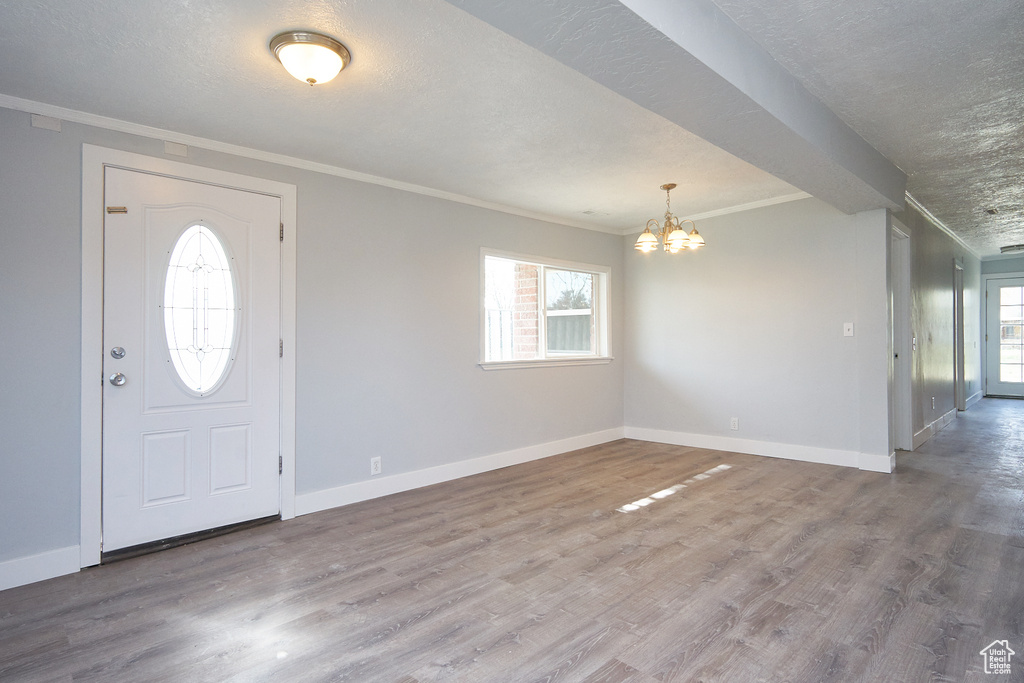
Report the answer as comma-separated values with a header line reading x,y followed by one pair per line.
x,y
768,570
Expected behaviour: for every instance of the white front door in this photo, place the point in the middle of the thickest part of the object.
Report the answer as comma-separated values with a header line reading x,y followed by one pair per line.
x,y
191,327
1004,332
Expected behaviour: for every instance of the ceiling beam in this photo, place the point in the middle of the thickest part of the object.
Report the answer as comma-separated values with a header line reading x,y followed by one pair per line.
x,y
686,61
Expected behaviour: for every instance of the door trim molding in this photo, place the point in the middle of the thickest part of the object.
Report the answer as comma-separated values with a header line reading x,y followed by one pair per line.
x,y
985,278
94,159
900,285
959,340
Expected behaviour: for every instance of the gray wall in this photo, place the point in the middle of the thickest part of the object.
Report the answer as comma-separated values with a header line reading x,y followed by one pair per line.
x,y
752,327
387,330
933,254
40,309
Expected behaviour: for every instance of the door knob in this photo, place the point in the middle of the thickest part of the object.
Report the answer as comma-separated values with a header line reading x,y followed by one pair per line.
x,y
117,352
118,379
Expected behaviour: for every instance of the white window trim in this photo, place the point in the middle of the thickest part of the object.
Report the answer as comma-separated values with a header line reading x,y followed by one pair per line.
x,y
602,312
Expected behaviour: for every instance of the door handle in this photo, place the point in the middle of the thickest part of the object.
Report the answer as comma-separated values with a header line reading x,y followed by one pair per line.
x,y
118,379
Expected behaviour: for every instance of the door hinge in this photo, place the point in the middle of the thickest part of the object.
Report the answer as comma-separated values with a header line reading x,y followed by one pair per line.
x,y
282,232
280,348
280,464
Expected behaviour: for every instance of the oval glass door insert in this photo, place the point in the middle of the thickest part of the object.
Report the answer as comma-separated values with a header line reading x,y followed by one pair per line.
x,y
200,309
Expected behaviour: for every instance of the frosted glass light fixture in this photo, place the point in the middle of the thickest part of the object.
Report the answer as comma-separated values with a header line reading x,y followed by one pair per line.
x,y
673,236
311,57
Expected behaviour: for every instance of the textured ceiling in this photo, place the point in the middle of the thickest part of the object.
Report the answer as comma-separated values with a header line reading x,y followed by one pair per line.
x,y
433,97
937,86
438,98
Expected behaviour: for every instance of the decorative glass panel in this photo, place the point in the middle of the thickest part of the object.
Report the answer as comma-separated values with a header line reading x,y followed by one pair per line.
x,y
200,309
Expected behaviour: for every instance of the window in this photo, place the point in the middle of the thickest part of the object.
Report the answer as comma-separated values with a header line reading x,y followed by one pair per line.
x,y
539,311
1011,339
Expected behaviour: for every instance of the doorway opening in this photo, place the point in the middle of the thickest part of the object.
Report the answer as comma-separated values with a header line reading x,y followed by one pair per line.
x,y
1004,335
902,435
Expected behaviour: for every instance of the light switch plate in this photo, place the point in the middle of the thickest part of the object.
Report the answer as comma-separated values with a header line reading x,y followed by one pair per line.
x,y
847,329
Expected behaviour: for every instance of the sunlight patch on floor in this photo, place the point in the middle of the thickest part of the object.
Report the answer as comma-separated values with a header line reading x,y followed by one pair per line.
x,y
665,493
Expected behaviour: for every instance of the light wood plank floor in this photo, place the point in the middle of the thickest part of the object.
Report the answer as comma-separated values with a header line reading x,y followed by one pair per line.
x,y
769,570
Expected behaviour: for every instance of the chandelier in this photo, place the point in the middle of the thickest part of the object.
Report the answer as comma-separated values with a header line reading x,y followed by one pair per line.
x,y
672,235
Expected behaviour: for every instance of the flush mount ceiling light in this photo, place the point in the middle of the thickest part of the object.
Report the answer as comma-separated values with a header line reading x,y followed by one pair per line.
x,y
311,57
1011,249
671,233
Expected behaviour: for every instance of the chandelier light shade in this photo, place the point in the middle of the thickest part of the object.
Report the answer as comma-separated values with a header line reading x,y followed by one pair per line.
x,y
671,233
311,57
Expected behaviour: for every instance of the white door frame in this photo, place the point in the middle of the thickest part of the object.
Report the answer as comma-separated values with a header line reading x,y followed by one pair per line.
x,y
902,420
94,159
958,336
984,318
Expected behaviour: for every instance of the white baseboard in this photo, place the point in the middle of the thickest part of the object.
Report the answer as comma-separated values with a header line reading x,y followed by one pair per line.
x,y
307,503
933,428
877,463
826,456
25,570
974,398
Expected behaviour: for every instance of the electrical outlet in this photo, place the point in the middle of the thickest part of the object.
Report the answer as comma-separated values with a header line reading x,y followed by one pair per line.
x,y
375,465
734,423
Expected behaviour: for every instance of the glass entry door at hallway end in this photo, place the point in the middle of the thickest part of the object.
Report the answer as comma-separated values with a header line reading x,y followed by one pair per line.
x,y
1004,333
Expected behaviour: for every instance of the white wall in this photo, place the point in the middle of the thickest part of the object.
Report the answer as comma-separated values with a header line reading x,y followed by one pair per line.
x,y
387,331
752,327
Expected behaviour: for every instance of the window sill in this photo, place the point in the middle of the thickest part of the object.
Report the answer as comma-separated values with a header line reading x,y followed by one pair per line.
x,y
544,362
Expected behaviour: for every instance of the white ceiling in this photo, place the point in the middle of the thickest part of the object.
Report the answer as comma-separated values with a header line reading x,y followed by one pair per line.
x,y
438,98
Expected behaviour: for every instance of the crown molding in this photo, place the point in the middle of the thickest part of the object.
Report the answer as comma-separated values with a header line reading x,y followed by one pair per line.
x,y
919,207
117,125
749,206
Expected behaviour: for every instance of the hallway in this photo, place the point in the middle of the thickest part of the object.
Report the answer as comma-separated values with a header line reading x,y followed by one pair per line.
x,y
979,458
